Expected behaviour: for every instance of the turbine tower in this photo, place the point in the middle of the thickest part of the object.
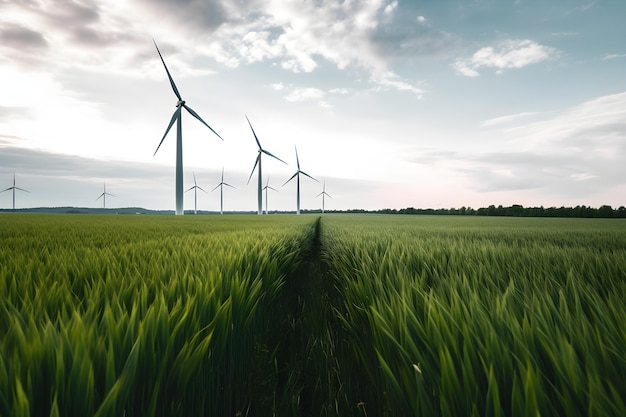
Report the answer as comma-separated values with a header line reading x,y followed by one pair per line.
x,y
267,187
323,194
297,176
14,188
195,189
221,186
104,195
258,162
177,117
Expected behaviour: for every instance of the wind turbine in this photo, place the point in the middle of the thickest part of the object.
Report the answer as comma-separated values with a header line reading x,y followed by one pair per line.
x,y
14,188
177,117
323,194
267,187
297,176
258,162
221,186
195,189
104,195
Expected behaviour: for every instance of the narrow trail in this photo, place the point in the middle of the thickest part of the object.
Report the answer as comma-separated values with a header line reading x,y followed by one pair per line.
x,y
311,382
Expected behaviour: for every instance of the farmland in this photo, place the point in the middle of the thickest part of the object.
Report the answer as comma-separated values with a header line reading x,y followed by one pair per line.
x,y
302,315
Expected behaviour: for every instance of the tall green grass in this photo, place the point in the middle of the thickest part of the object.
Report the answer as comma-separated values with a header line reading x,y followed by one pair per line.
x,y
290,315
480,317
142,315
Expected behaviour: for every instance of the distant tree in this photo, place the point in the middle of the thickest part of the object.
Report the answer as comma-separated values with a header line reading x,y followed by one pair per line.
x,y
605,211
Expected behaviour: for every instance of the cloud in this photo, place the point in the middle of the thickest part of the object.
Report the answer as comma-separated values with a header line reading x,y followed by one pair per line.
x,y
278,86
304,94
508,119
193,15
506,55
14,112
297,36
18,36
583,7
577,152
300,36
389,80
48,35
613,56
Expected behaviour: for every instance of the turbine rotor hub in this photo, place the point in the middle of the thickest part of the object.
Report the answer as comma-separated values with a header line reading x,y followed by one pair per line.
x,y
180,103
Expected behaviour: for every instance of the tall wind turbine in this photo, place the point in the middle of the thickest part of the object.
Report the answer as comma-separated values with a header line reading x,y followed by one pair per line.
x,y
258,162
104,195
267,187
323,194
297,176
14,188
195,189
221,186
177,117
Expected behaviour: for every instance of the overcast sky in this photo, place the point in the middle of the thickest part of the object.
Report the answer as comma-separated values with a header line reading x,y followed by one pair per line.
x,y
392,103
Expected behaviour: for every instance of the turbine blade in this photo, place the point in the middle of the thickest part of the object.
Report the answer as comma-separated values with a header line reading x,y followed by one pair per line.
x,y
168,72
254,133
202,189
304,173
253,168
101,195
191,188
297,159
21,189
292,177
8,189
328,195
194,114
273,156
228,185
194,178
172,120
272,188
319,195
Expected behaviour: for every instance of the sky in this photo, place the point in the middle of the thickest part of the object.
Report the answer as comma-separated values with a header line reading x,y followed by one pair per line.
x,y
390,103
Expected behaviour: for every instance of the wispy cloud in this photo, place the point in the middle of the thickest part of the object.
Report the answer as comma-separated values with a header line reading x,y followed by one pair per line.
x,y
390,81
508,119
575,153
304,94
583,7
510,54
613,56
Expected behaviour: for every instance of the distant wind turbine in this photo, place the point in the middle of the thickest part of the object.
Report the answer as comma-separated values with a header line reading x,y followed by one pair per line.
x,y
177,117
323,194
195,189
267,187
104,195
14,188
297,176
258,162
221,187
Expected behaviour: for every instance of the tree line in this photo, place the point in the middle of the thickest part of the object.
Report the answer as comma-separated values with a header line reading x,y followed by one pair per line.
x,y
517,210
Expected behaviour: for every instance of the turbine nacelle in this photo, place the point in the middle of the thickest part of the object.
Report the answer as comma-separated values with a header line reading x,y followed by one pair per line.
x,y
180,103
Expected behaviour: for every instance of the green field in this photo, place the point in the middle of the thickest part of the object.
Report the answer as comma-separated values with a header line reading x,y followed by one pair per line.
x,y
306,315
